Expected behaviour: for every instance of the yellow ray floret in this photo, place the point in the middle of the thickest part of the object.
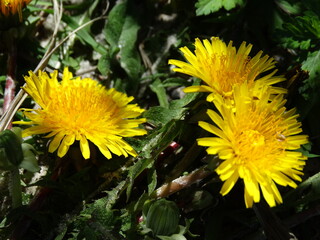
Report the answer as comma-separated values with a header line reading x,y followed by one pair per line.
x,y
256,140
222,66
80,110
8,7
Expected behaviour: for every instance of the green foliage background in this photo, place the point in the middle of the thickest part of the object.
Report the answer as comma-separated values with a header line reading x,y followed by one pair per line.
x,y
128,49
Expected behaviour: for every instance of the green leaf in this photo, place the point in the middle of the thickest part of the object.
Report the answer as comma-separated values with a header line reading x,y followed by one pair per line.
x,y
121,32
159,115
152,180
309,88
302,32
11,144
115,23
312,65
200,200
84,34
103,215
104,64
183,102
136,170
114,194
88,233
154,144
205,7
62,234
29,161
158,88
175,82
306,149
291,8
308,191
173,237
129,56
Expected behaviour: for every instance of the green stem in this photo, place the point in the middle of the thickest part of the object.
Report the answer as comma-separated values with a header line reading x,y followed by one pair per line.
x,y
273,227
15,188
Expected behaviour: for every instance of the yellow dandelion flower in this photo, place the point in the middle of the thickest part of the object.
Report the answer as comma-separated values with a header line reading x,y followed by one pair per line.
x,y
82,110
255,139
8,7
221,66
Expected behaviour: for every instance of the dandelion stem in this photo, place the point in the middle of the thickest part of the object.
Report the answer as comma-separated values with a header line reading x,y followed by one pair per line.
x,y
15,188
182,182
273,227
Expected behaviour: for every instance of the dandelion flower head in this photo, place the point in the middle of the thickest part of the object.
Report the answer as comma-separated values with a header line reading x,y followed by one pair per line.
x,y
256,142
8,7
221,66
80,110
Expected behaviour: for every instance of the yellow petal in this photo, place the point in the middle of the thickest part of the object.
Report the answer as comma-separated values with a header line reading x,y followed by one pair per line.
x,y
63,149
210,128
252,187
56,142
228,185
248,199
84,147
200,88
268,195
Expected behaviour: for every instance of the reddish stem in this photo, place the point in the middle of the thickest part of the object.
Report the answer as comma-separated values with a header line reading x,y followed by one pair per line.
x,y
182,182
9,91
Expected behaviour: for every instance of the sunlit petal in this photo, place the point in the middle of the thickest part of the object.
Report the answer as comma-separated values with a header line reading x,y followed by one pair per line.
x,y
255,142
81,110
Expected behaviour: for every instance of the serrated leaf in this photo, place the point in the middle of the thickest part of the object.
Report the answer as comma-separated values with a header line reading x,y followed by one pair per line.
x,y
154,144
113,194
152,180
230,4
136,170
312,65
301,32
304,45
159,115
205,7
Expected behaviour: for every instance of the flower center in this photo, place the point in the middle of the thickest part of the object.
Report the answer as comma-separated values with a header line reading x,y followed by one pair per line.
x,y
256,138
251,147
81,105
227,71
252,138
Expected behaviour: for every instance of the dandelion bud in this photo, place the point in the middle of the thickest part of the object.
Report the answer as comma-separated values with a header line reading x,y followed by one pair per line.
x,y
163,217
